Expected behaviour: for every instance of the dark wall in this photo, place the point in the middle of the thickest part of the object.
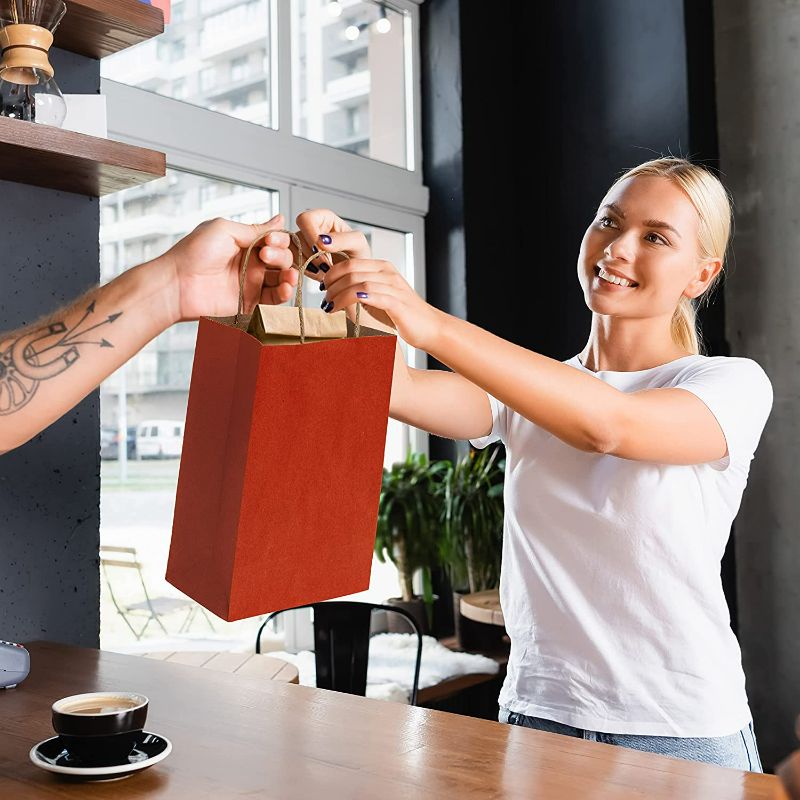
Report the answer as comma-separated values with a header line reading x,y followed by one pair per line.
x,y
50,487
607,86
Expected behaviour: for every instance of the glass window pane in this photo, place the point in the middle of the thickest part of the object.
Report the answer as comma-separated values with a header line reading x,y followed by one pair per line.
x,y
215,54
349,77
144,405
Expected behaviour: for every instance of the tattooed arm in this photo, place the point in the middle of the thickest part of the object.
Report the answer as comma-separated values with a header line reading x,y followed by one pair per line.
x,y
48,367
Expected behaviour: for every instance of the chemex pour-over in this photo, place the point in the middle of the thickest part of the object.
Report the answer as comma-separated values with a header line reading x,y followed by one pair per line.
x,y
27,88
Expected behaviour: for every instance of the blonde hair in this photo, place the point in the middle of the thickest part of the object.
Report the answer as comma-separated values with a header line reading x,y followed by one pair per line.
x,y
713,206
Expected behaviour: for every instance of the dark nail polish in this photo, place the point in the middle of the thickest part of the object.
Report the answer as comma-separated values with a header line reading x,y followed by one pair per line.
x,y
312,269
314,249
362,295
323,304
329,308
322,286
325,239
324,267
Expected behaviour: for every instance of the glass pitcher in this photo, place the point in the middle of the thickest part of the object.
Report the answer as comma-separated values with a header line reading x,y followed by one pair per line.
x,y
28,90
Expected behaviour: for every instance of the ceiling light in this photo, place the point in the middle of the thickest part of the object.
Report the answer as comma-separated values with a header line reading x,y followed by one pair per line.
x,y
383,25
335,8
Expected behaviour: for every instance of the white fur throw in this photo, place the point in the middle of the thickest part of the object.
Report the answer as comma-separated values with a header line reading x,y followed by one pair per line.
x,y
390,670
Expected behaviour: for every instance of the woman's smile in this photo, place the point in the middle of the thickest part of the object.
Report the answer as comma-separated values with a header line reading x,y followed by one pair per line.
x,y
611,280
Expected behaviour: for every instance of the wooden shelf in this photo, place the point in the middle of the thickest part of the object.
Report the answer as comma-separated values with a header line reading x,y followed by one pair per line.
x,y
98,28
42,155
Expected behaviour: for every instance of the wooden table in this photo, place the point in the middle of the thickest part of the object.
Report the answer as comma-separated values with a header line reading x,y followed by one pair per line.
x,y
236,736
253,665
483,607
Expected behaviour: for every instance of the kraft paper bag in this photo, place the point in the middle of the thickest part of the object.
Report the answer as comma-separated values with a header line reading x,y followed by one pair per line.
x,y
282,460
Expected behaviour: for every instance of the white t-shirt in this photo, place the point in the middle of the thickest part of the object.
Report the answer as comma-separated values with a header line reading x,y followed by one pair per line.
x,y
610,585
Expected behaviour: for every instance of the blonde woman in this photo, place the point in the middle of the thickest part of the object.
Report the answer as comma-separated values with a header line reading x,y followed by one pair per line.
x,y
625,468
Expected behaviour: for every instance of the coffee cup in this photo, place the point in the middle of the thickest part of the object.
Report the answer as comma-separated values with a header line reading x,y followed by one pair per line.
x,y
100,727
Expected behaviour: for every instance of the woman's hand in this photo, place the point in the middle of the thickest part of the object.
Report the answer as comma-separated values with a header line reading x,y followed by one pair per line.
x,y
385,294
329,235
206,263
377,285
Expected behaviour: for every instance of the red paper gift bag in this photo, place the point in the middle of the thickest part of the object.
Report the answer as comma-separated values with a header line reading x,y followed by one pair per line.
x,y
281,466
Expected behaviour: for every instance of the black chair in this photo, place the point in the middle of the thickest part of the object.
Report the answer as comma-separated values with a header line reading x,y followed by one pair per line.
x,y
341,643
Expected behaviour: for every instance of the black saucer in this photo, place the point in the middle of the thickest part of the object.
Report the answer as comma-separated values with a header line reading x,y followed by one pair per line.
x,y
53,756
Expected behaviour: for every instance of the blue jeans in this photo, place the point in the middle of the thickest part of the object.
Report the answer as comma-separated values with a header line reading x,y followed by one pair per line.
x,y
739,750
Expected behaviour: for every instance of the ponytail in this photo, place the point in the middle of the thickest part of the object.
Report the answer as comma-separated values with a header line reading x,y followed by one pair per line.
x,y
684,327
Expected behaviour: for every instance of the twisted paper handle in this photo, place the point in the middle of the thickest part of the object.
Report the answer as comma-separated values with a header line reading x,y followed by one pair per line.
x,y
298,297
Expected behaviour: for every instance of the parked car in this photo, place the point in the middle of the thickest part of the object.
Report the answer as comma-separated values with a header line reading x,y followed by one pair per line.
x,y
159,438
109,446
109,442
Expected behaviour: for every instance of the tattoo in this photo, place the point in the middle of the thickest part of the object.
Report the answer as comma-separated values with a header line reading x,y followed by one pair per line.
x,y
42,353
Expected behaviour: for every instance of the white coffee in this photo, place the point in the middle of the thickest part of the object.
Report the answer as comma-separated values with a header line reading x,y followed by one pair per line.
x,y
98,703
101,706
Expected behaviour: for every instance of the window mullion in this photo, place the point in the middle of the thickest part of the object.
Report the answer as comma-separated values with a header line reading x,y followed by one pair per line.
x,y
183,130
282,47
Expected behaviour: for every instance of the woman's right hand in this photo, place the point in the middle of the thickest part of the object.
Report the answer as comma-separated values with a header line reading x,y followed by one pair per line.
x,y
322,229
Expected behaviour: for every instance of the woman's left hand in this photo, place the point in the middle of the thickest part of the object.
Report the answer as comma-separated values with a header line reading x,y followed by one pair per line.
x,y
385,294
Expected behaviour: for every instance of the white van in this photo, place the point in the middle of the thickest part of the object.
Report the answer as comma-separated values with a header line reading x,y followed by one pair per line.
x,y
159,438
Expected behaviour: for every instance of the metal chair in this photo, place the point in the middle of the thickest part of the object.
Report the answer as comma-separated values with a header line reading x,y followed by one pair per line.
x,y
341,643
153,607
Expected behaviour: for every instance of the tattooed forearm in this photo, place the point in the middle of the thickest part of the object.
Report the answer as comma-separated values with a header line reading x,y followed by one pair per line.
x,y
29,358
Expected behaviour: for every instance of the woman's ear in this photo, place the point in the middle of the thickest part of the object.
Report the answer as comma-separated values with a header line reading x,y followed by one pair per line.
x,y
707,271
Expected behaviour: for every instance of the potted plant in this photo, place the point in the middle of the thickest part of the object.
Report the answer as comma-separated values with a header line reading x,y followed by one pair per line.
x,y
409,524
472,539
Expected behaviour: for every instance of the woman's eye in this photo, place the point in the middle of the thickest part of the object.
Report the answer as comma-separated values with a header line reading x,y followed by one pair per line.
x,y
655,238
605,222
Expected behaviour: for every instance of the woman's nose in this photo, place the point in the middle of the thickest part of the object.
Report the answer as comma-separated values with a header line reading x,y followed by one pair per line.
x,y
617,250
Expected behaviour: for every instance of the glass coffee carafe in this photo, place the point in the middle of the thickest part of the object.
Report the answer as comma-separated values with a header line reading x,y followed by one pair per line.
x,y
28,90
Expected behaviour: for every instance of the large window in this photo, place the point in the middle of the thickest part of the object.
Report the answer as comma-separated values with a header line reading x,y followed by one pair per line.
x,y
267,151
215,54
349,65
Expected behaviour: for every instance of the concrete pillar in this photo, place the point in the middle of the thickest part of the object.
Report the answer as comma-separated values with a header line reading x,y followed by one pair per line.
x,y
50,487
758,99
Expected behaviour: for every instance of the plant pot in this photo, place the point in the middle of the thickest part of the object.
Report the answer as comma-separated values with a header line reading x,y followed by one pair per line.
x,y
415,607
